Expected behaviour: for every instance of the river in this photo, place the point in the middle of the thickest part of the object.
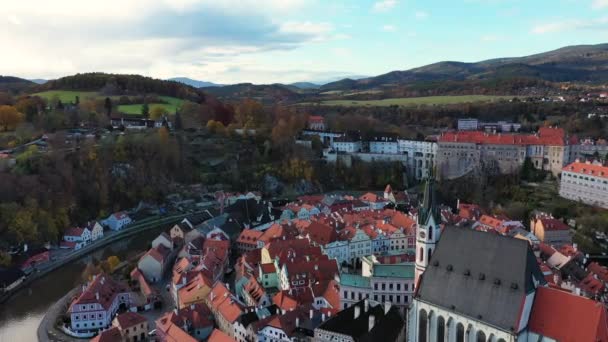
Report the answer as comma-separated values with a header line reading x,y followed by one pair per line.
x,y
20,315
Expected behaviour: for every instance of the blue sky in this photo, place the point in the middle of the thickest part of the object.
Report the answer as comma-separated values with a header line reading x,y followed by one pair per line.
x,y
266,41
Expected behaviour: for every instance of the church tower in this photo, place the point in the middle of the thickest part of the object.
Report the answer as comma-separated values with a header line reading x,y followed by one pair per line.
x,y
427,231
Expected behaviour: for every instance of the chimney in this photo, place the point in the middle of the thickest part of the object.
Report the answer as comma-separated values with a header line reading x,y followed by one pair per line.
x,y
310,314
357,311
323,317
372,322
297,322
387,306
457,204
191,306
97,295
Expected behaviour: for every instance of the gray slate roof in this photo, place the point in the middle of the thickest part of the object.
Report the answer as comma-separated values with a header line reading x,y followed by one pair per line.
x,y
481,275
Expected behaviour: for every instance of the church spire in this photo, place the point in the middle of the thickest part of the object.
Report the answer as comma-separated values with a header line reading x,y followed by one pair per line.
x,y
429,203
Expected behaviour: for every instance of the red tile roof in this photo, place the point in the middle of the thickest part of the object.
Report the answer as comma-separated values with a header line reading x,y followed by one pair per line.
x,y
587,169
224,302
316,119
285,301
320,233
129,319
554,225
546,136
568,318
110,335
172,332
74,232
249,236
159,253
220,336
103,286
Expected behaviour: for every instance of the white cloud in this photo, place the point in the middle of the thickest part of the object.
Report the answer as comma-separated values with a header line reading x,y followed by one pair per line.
x,y
421,15
161,38
571,25
389,28
599,4
384,5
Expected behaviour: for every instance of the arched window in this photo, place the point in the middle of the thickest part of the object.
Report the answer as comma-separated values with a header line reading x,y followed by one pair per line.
x,y
481,336
460,333
431,232
502,340
441,329
421,257
422,326
428,255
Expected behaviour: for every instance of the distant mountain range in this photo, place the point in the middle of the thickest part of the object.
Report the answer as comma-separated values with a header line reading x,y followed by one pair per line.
x,y
580,63
194,83
38,80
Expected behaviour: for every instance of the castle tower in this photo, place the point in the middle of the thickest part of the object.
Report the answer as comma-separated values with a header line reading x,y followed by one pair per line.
x,y
427,231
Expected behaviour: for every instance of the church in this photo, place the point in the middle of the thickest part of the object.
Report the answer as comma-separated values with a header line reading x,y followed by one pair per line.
x,y
482,287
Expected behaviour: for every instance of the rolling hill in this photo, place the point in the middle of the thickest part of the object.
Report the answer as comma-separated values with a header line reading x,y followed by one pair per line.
x,y
581,63
265,93
194,83
13,84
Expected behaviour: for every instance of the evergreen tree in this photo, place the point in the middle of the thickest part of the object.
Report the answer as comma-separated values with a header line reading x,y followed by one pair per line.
x,y
145,110
108,106
178,120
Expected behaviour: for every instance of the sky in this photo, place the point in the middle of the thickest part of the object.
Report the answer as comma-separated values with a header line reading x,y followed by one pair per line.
x,y
268,41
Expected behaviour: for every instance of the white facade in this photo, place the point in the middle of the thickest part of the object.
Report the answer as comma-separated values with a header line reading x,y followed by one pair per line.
x,y
347,146
467,124
421,156
590,188
426,241
96,231
384,145
117,221
441,324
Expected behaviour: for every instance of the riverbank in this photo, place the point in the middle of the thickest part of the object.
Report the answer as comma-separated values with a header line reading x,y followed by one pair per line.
x,y
146,224
47,324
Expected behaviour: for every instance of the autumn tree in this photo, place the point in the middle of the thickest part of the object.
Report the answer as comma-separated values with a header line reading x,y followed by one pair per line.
x,y
157,112
9,117
251,114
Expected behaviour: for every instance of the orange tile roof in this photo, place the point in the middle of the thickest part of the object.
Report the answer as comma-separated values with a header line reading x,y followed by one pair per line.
x,y
545,137
110,335
567,317
249,236
220,336
587,169
129,319
172,332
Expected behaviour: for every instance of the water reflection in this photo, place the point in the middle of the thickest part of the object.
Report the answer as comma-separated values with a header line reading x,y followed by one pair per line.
x,y
20,316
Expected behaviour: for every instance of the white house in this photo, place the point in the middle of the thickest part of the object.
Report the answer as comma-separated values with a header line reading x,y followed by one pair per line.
x,y
96,230
117,221
76,238
153,264
95,307
163,239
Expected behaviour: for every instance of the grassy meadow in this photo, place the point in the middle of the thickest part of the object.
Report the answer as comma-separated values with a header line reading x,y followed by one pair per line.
x,y
67,96
416,101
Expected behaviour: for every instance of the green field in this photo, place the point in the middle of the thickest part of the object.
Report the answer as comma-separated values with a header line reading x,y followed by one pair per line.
x,y
415,101
68,96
